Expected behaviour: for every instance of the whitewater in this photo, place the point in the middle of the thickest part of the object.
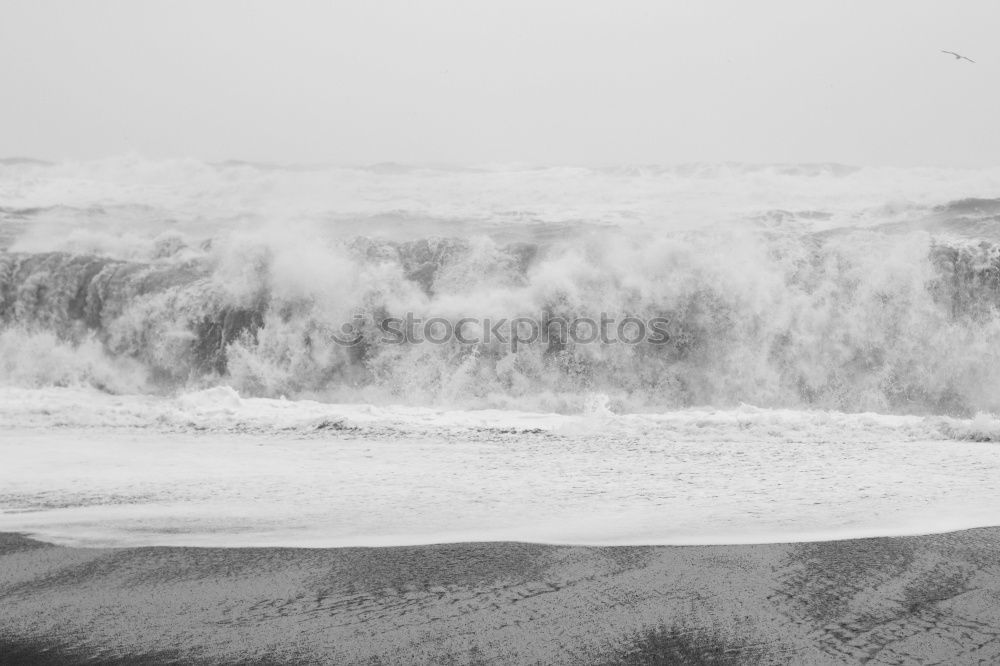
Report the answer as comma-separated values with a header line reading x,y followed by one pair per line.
x,y
172,370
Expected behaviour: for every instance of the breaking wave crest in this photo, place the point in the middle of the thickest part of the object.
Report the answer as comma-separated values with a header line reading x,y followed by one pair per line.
x,y
864,320
891,307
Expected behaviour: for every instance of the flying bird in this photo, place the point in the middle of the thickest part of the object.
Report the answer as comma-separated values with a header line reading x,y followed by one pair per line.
x,y
958,56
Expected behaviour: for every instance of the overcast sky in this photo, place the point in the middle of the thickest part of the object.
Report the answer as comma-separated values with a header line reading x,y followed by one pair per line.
x,y
570,82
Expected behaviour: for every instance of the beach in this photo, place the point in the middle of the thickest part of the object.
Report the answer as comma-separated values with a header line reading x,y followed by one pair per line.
x,y
523,333
925,599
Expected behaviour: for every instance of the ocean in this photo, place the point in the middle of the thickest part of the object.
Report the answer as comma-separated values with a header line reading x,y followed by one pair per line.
x,y
251,354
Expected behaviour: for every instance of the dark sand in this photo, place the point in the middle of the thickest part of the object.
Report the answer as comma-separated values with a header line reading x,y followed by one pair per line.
x,y
928,599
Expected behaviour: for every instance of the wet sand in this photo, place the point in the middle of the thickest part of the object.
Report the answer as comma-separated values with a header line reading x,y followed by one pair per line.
x,y
927,599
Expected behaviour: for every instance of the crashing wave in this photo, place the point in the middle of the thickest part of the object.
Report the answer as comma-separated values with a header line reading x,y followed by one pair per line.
x,y
865,320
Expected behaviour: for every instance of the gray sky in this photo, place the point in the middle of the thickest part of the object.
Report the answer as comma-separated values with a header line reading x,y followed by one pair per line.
x,y
572,82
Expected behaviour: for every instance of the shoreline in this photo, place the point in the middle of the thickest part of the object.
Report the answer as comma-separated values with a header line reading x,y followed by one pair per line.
x,y
145,488
238,542
887,599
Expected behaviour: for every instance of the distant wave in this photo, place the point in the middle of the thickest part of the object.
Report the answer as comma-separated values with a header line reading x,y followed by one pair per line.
x,y
20,161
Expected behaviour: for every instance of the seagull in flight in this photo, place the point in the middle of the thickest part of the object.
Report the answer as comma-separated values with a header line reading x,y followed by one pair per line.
x,y
958,56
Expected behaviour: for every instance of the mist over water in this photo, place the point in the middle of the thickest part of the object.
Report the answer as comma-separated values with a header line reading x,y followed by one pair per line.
x,y
799,286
